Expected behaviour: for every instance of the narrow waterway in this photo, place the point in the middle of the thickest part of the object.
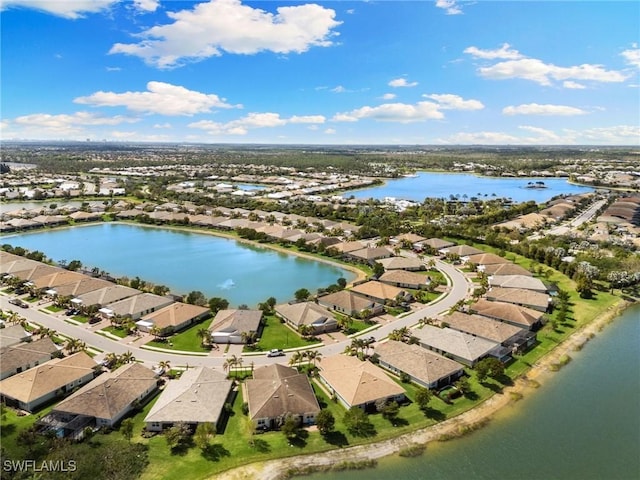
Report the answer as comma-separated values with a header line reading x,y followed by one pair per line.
x,y
582,423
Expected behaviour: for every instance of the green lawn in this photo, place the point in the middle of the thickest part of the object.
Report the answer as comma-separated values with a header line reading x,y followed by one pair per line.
x,y
81,318
54,309
187,340
276,334
118,332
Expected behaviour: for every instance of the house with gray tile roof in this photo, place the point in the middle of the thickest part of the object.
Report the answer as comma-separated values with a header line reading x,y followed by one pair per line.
x,y
138,305
402,263
517,281
12,335
349,303
307,313
519,296
515,338
198,396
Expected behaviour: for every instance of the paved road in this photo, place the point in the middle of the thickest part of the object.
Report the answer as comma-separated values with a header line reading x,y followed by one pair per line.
x,y
575,222
459,287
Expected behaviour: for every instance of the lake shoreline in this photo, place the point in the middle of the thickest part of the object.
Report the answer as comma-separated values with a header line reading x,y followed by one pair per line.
x,y
472,419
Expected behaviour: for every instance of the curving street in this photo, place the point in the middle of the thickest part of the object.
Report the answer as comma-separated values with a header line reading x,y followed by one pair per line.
x,y
459,288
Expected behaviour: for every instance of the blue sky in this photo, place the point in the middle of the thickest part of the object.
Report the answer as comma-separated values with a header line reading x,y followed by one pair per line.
x,y
441,72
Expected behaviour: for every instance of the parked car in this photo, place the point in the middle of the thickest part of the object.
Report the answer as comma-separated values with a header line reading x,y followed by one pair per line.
x,y
275,353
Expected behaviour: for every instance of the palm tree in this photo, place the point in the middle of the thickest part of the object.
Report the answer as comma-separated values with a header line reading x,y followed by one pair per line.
x,y
110,360
156,332
296,358
165,365
305,330
313,356
203,335
127,357
230,363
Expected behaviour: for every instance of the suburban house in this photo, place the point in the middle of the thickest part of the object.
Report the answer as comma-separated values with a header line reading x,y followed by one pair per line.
x,y
460,250
54,279
198,396
228,326
33,388
459,346
78,287
515,338
482,259
307,313
517,281
29,272
423,366
276,391
381,292
346,247
103,402
22,356
358,384
349,303
404,279
508,312
13,335
368,255
173,317
436,244
410,238
519,296
402,263
106,295
506,269
137,305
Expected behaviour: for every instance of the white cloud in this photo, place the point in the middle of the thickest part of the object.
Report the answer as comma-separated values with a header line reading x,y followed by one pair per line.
x,y
62,8
455,102
632,55
307,119
451,7
537,109
338,89
160,98
615,135
401,82
146,5
162,125
393,112
573,85
45,125
388,96
253,120
537,71
218,26
330,131
112,69
504,52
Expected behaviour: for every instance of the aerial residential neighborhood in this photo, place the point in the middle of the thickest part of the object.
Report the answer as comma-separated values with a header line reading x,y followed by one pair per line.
x,y
264,240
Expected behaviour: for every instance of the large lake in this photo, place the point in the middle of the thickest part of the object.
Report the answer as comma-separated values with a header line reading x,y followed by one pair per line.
x,y
183,261
441,185
583,423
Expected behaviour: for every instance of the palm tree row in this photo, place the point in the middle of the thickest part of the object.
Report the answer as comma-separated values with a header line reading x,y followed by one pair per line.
x,y
306,356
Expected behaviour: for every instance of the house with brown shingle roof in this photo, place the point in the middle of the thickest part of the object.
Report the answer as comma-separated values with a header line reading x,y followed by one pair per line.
x,y
517,281
519,296
507,312
33,388
506,269
198,396
380,292
412,238
13,335
22,356
368,255
307,313
351,304
424,367
515,338
403,279
402,263
103,402
459,346
437,244
276,391
460,250
229,325
358,384
106,295
486,259
173,318
138,305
